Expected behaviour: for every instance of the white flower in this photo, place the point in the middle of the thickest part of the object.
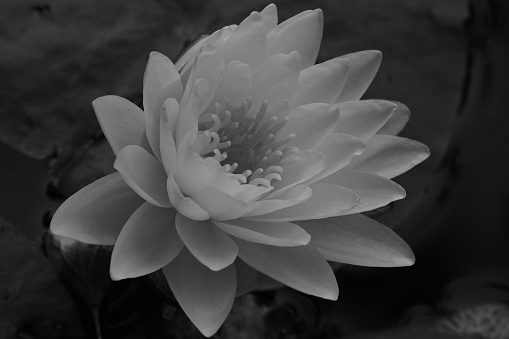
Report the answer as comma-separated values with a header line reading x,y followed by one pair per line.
x,y
247,157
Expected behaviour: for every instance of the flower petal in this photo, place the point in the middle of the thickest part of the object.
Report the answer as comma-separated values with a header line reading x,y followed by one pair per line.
x,y
144,174
187,56
169,116
248,42
220,205
235,85
298,168
389,156
291,197
122,122
328,200
161,81
363,118
339,149
96,213
205,296
321,83
190,111
358,240
301,267
311,124
147,243
374,190
275,80
267,233
192,171
209,245
184,205
363,68
269,16
397,121
302,33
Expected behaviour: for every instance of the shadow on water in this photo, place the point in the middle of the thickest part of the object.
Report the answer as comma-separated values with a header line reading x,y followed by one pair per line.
x,y
23,199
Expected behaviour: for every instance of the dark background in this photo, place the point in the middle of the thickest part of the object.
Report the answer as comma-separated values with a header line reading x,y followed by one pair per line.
x,y
445,59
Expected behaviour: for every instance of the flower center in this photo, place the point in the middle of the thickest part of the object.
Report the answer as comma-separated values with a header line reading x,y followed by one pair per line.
x,y
249,141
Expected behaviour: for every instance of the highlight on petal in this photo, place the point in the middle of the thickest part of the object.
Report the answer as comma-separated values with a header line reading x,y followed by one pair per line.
x,y
267,233
327,200
144,174
358,240
374,190
363,68
302,33
338,149
122,122
161,81
363,118
311,123
321,83
248,42
96,213
209,245
169,116
275,80
147,243
205,296
302,268
390,156
397,121
184,205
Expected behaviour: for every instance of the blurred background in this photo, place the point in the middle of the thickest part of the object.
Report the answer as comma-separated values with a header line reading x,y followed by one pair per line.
x,y
445,59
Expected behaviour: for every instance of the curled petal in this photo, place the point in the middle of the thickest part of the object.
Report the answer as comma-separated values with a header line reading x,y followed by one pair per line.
x,y
184,205
147,243
311,124
122,122
363,68
363,118
248,42
267,233
162,81
209,245
321,83
301,267
374,190
205,296
144,174
96,213
302,33
358,240
389,156
327,200
397,121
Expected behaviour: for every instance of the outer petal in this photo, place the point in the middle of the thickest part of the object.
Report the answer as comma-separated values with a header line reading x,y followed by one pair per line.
x,y
363,118
321,83
301,267
209,245
327,200
248,43
397,121
267,233
363,68
302,33
311,124
389,156
275,80
339,149
358,240
185,205
162,81
147,243
96,213
122,122
144,174
204,295
374,190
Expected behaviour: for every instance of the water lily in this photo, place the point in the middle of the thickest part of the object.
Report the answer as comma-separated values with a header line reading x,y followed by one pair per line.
x,y
247,161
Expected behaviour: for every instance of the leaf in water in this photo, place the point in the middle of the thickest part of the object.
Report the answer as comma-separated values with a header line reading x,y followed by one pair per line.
x,y
33,303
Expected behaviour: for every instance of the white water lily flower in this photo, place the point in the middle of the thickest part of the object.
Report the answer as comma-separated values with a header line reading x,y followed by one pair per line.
x,y
246,158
